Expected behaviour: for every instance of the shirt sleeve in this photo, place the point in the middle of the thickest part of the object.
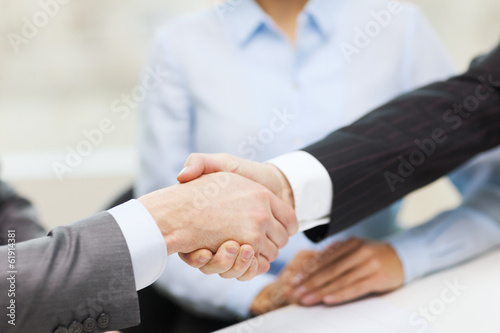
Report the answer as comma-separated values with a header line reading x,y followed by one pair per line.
x,y
311,185
460,234
144,239
447,240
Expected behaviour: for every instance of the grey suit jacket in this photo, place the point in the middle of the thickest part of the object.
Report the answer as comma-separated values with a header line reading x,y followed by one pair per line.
x,y
77,275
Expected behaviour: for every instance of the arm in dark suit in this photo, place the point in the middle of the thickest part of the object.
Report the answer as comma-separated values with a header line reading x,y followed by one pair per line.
x,y
17,213
410,142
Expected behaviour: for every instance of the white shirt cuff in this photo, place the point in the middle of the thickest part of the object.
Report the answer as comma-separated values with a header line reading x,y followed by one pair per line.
x,y
145,242
311,185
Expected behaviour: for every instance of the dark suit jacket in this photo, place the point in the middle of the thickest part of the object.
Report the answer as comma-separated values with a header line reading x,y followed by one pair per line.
x,y
410,142
76,272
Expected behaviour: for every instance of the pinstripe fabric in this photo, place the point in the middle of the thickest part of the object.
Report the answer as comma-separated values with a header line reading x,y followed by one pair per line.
x,y
364,160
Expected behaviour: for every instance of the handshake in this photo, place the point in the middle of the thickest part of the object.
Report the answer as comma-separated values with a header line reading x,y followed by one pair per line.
x,y
228,216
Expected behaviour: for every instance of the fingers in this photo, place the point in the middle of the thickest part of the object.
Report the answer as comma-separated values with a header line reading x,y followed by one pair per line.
x,y
263,265
277,233
198,258
241,264
335,286
230,261
284,214
269,250
330,274
370,267
251,272
328,257
199,164
353,291
223,260
337,251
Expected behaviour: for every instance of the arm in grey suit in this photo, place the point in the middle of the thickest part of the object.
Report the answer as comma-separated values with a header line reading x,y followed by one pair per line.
x,y
76,273
83,273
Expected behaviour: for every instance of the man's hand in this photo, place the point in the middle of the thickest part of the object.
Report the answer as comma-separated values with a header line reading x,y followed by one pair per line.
x,y
263,173
346,271
208,211
230,261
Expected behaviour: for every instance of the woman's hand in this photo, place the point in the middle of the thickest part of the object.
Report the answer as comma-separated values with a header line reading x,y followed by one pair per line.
x,y
273,296
346,271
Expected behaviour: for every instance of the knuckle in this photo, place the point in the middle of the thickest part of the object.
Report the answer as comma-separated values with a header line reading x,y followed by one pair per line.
x,y
291,220
205,271
273,254
224,155
261,193
194,156
311,285
366,251
379,280
255,240
228,275
266,265
261,217
283,242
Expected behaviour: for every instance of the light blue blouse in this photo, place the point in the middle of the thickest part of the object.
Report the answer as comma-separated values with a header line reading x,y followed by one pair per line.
x,y
237,85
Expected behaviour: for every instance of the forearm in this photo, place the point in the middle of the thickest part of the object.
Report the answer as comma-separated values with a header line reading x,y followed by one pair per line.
x,y
449,239
70,275
364,183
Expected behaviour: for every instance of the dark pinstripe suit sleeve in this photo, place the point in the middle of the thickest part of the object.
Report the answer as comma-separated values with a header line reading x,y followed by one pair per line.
x,y
410,142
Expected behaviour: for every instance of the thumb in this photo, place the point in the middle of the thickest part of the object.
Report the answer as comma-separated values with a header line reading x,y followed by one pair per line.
x,y
193,168
199,164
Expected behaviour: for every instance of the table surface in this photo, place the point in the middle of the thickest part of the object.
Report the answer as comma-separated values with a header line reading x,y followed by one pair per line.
x,y
473,307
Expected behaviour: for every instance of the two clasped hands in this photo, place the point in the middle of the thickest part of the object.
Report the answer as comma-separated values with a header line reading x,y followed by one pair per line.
x,y
247,216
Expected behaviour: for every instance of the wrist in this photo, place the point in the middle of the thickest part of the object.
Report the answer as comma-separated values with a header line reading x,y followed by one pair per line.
x,y
167,213
283,189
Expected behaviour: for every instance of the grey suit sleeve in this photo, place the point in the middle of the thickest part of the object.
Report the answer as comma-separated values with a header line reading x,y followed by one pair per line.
x,y
78,271
17,212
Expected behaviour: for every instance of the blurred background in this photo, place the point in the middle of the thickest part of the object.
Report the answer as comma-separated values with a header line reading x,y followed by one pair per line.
x,y
64,79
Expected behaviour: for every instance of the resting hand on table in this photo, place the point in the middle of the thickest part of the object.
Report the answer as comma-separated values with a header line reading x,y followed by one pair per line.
x,y
342,272
274,295
346,271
